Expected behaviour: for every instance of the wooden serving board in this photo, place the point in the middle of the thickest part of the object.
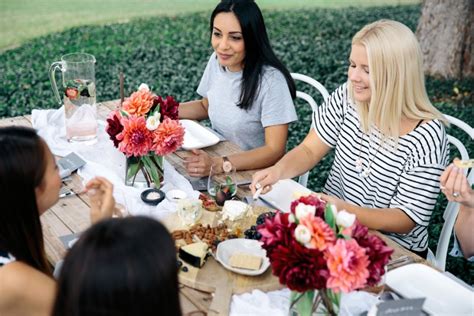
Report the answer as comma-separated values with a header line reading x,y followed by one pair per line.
x,y
213,277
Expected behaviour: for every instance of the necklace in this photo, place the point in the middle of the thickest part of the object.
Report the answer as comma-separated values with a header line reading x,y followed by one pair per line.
x,y
359,166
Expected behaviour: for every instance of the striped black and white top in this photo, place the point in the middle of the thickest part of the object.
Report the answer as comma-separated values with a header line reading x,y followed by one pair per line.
x,y
404,177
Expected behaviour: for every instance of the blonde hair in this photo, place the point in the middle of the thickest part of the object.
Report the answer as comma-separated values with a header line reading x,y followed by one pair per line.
x,y
396,79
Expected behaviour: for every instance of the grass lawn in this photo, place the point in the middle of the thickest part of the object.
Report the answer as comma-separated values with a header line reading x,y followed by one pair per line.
x,y
21,20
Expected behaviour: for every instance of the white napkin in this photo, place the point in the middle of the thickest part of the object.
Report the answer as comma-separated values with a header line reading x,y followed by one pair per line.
x,y
103,159
276,303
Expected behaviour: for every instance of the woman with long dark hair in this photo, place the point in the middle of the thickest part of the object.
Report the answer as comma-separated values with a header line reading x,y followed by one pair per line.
x,y
29,186
120,267
247,92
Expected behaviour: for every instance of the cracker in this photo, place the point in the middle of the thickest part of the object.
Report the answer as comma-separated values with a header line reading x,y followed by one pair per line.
x,y
464,164
245,261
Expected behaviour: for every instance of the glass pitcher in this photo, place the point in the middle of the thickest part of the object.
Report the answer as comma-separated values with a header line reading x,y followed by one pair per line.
x,y
78,90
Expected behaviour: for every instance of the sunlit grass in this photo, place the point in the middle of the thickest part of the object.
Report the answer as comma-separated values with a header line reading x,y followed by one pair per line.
x,y
21,20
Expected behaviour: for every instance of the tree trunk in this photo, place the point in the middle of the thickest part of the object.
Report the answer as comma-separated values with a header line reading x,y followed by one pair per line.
x,y
445,31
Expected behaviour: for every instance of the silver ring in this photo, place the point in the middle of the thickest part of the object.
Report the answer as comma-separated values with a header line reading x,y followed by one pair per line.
x,y
258,185
455,194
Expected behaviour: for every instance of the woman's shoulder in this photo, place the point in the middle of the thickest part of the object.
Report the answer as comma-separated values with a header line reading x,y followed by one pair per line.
x,y
21,283
16,275
430,131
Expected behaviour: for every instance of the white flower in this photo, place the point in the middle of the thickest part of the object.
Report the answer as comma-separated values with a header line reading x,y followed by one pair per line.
x,y
345,219
302,234
144,86
153,121
302,210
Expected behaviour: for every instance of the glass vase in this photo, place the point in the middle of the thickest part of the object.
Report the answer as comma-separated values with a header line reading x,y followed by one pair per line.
x,y
309,303
144,172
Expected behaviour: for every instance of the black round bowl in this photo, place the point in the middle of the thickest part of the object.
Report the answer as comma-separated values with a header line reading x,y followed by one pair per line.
x,y
152,196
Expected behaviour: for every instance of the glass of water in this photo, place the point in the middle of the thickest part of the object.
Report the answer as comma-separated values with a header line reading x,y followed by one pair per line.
x,y
189,211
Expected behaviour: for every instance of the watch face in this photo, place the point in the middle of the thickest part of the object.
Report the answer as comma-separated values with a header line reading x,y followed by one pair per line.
x,y
227,166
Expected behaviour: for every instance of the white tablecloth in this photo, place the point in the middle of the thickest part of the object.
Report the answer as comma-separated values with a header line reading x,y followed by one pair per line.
x,y
103,159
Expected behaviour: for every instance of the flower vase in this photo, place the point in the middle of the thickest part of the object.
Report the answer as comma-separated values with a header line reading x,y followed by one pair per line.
x,y
313,302
144,172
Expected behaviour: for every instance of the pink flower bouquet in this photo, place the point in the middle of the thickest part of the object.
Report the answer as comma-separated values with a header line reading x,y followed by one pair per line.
x,y
315,247
145,129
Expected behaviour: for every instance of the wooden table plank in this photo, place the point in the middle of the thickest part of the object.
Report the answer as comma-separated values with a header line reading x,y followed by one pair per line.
x,y
53,228
15,121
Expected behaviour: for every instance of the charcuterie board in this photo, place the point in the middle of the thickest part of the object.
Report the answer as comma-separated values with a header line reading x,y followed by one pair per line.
x,y
212,276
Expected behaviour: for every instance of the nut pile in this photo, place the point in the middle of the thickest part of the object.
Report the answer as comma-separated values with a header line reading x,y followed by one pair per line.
x,y
210,235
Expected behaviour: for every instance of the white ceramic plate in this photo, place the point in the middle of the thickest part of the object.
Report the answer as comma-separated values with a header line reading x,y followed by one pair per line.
x,y
282,194
197,136
444,296
248,246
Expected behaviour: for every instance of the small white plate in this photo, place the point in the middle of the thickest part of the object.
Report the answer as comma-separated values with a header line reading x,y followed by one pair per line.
x,y
444,296
175,195
248,246
197,136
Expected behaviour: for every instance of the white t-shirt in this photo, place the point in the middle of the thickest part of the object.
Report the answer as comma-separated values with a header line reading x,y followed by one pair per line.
x,y
273,104
406,178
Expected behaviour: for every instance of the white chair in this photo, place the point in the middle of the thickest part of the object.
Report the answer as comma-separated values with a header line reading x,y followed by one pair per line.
x,y
451,212
303,179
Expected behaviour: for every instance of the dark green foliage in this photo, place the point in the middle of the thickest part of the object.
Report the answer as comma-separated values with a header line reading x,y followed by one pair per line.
x,y
170,53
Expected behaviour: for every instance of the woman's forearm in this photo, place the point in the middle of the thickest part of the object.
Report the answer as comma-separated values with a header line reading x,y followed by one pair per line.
x,y
303,157
464,230
390,220
194,110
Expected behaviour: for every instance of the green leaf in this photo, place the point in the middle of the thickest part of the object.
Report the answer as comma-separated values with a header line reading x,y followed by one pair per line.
x,y
132,169
329,216
152,170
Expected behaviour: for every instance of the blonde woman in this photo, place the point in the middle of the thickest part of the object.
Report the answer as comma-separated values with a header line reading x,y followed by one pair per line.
x,y
390,143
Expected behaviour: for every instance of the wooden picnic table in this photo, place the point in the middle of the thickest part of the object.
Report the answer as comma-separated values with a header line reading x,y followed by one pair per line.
x,y
71,215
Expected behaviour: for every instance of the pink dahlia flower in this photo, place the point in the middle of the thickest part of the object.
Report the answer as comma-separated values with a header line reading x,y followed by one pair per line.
x,y
168,137
139,103
322,236
376,249
347,264
136,139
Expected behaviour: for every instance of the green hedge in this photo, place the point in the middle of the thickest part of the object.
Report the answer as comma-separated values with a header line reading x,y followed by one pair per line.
x,y
170,54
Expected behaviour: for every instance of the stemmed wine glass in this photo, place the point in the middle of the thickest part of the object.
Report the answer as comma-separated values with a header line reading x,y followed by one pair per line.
x,y
221,186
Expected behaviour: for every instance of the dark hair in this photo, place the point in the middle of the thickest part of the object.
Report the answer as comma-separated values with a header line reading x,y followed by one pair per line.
x,y
22,167
120,267
258,51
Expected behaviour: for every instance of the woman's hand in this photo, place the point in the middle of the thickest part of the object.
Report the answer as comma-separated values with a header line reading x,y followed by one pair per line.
x,y
265,179
100,192
455,186
337,202
199,164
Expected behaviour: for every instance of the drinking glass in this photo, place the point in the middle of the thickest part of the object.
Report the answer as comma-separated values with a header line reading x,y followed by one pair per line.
x,y
189,211
221,186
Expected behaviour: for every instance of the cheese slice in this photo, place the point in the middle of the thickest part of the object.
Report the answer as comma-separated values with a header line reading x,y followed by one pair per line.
x,y
245,261
194,254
